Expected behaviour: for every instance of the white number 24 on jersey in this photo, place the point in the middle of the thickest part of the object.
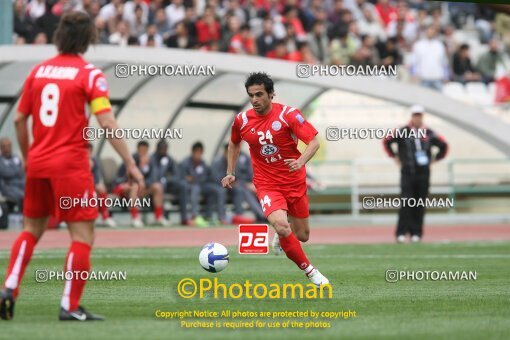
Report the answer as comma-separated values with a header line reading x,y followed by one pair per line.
x,y
48,112
265,201
263,136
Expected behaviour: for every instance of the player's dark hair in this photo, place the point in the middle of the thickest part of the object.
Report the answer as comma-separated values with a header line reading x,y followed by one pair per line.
x,y
142,143
260,78
75,32
197,146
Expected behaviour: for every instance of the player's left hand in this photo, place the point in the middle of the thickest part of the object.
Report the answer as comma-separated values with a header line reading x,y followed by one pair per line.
x,y
293,164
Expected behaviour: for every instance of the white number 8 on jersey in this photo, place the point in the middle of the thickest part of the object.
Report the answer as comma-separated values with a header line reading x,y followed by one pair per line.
x,y
48,112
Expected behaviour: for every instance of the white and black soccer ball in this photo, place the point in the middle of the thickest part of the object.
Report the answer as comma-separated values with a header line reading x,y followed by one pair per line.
x,y
214,257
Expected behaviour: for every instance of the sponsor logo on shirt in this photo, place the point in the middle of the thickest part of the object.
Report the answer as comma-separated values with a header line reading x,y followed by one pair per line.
x,y
268,150
101,84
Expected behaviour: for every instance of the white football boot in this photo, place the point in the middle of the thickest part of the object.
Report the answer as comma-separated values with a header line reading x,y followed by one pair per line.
x,y
316,277
275,245
137,222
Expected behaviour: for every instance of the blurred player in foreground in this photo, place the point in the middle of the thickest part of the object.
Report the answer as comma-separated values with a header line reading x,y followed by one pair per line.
x,y
57,164
272,130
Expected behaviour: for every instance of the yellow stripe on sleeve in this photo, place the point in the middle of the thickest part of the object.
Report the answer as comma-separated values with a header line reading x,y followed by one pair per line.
x,y
100,104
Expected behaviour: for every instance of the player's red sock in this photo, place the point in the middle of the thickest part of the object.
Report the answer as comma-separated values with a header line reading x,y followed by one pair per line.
x,y
292,248
134,213
21,253
158,212
103,208
77,260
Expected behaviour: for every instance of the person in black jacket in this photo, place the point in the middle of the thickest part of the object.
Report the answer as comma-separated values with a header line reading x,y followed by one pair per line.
x,y
414,156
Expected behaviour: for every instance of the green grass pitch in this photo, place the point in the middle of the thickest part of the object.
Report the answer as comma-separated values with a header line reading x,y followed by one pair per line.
x,y
408,309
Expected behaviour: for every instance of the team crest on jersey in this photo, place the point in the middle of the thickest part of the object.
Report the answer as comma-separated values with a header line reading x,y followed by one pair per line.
x,y
300,118
101,84
268,150
252,130
276,125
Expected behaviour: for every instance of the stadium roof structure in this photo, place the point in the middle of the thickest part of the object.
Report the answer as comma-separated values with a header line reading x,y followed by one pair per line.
x,y
224,92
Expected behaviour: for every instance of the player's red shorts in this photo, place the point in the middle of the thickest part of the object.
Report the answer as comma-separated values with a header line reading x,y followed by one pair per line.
x,y
294,201
53,196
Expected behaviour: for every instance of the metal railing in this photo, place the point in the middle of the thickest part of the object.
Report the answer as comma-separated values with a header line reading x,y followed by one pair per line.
x,y
452,177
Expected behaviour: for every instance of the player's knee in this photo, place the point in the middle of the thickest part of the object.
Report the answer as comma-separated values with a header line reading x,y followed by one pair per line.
x,y
282,227
303,236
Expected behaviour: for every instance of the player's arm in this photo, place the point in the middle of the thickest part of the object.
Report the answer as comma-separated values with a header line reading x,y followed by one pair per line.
x,y
234,149
21,123
310,150
107,121
305,132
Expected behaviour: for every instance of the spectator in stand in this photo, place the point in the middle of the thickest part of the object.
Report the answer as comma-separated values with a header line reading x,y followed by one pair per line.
x,y
342,48
23,26
109,11
121,36
153,187
175,12
266,41
386,11
233,8
370,25
403,24
100,188
12,175
318,42
138,24
129,14
151,37
280,51
47,23
366,54
40,39
389,53
114,21
181,38
463,70
489,61
161,23
208,27
430,61
335,16
243,42
102,34
36,9
190,20
303,54
292,19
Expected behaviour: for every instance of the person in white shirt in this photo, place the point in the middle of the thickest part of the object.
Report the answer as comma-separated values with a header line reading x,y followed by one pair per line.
x,y
121,36
152,31
109,10
129,11
370,24
430,61
175,12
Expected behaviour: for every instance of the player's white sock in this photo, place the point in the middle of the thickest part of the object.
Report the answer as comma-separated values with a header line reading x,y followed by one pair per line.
x,y
308,270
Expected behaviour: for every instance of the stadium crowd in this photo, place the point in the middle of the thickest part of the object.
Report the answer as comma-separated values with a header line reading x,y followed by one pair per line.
x,y
416,33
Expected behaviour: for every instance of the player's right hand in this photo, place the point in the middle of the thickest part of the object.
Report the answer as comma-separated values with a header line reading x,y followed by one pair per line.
x,y
134,175
227,181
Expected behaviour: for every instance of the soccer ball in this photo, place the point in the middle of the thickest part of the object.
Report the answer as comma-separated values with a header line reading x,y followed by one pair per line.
x,y
213,257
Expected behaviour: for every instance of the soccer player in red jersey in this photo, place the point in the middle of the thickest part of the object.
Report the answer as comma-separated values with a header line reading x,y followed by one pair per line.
x,y
272,131
57,164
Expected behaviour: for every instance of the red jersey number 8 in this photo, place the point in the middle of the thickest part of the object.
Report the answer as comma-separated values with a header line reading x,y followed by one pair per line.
x,y
48,112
